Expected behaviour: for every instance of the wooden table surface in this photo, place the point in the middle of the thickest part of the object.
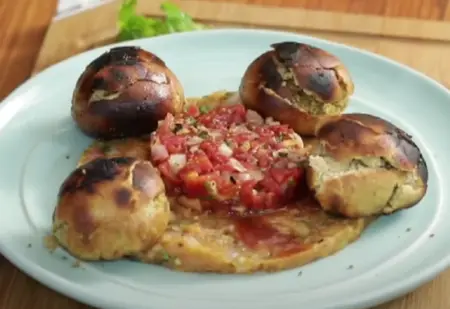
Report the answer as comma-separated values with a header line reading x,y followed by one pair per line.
x,y
23,24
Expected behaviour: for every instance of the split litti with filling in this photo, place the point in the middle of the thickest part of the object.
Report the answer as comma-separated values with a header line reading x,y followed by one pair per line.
x,y
297,84
361,165
124,93
111,208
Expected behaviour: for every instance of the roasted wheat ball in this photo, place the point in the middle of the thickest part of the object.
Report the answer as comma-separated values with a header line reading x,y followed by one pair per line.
x,y
297,84
361,165
111,208
124,93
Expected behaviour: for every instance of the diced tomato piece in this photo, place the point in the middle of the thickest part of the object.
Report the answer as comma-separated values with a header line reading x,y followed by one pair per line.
x,y
270,199
174,144
205,120
280,129
220,159
193,110
225,167
240,138
167,173
264,133
203,164
264,161
224,116
199,163
166,125
258,202
195,184
255,143
269,184
210,148
281,175
237,114
244,157
243,137
246,194
226,188
250,198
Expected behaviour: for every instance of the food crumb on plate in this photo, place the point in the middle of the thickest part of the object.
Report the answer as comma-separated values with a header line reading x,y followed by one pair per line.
x,y
50,243
76,264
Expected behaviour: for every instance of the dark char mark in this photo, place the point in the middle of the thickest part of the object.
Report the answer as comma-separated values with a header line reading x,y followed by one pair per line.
x,y
125,55
271,76
122,197
286,51
310,74
85,177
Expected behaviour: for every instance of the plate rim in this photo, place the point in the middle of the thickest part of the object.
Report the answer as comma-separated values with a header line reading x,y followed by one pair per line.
x,y
75,291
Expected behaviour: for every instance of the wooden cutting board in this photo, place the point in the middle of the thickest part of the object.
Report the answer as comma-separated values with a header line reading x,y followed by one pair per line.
x,y
421,44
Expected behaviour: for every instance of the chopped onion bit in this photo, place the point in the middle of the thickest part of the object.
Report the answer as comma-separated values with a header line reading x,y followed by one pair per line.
x,y
177,162
225,150
159,152
253,117
195,140
237,165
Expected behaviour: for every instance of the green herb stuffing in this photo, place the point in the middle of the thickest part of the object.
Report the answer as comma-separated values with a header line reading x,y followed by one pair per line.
x,y
165,256
204,109
192,121
134,26
281,137
105,148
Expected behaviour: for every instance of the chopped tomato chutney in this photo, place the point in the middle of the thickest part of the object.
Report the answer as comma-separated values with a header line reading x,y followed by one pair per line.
x,y
229,156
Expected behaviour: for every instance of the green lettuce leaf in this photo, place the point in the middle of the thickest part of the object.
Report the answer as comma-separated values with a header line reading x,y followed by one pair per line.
x,y
134,26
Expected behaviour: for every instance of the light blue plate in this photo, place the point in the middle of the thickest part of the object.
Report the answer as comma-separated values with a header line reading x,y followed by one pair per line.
x,y
395,255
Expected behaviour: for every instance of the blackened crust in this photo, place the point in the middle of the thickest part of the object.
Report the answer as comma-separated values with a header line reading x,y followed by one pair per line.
x,y
124,93
263,91
126,55
296,84
356,135
86,177
123,55
423,170
122,197
102,214
314,68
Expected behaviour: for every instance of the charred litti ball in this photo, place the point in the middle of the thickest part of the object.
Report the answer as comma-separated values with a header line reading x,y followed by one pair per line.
x,y
362,165
297,84
111,208
124,93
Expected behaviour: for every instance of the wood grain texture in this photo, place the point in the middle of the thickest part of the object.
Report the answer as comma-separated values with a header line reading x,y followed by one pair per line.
x,y
423,9
423,44
23,24
398,38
